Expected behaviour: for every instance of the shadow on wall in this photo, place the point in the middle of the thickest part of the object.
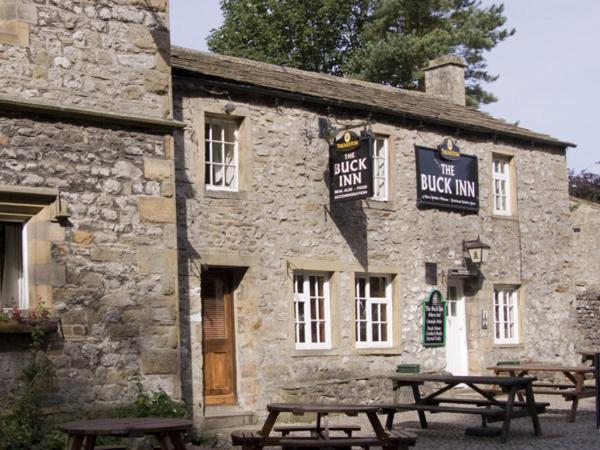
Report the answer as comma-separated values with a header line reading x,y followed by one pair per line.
x,y
351,221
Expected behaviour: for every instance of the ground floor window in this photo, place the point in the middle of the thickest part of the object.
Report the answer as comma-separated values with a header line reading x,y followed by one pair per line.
x,y
13,264
373,311
506,315
311,310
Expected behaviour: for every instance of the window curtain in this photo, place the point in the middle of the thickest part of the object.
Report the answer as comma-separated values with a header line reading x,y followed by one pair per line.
x,y
13,278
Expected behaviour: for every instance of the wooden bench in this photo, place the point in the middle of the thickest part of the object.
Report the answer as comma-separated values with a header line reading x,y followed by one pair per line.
x,y
110,447
250,440
285,430
540,406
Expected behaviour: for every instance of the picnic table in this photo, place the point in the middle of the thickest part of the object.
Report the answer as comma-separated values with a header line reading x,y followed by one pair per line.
x,y
83,433
485,404
322,433
572,389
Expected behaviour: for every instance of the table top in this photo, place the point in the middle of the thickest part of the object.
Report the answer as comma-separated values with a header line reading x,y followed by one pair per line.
x,y
321,408
539,367
474,379
126,427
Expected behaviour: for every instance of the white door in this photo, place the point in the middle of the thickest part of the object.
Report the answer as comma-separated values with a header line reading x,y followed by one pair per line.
x,y
457,358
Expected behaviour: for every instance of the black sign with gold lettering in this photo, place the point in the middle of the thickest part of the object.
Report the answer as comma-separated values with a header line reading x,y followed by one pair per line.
x,y
351,167
447,179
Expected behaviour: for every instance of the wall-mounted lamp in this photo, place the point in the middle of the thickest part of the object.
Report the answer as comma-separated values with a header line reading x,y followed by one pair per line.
x,y
229,108
476,251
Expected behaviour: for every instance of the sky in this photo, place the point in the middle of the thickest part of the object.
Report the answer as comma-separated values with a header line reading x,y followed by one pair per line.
x,y
549,70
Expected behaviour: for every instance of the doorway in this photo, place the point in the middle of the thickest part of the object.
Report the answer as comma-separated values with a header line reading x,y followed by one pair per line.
x,y
457,357
218,337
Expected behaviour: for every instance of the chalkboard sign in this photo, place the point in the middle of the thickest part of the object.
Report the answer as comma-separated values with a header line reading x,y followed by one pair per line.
x,y
434,320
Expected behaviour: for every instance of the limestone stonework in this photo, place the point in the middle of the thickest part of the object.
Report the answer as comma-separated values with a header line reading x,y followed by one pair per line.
x,y
108,54
101,248
586,246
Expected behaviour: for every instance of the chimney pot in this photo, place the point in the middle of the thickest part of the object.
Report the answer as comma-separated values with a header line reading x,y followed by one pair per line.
x,y
445,78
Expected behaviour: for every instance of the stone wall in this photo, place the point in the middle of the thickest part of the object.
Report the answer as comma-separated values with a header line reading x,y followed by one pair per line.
x,y
107,54
114,261
588,315
586,245
282,221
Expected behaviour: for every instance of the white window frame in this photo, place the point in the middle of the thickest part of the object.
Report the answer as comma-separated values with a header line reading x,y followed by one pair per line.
x,y
378,195
506,313
208,163
23,282
501,185
370,301
305,300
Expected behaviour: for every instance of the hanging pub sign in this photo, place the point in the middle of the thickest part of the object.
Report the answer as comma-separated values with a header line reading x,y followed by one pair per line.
x,y
446,178
351,167
434,320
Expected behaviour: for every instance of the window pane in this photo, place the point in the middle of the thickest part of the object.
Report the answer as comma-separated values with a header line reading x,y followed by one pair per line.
x,y
313,309
217,132
301,312
375,331
377,287
217,152
362,310
229,154
374,312
384,336
229,176
361,287
208,174
301,335
299,283
230,128
322,331
217,175
313,330
207,131
312,281
362,331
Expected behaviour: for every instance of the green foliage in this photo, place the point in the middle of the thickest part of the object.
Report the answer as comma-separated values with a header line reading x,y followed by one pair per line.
x,y
384,41
21,424
585,185
153,404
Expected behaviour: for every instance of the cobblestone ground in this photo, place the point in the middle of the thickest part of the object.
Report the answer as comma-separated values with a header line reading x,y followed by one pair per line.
x,y
447,431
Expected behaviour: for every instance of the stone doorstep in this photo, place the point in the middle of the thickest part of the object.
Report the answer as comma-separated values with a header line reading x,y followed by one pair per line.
x,y
224,420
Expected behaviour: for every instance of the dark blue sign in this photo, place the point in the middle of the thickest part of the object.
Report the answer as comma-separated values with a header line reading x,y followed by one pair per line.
x,y
445,183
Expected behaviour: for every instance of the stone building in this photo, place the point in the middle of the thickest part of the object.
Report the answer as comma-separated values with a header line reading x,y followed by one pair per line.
x,y
174,210
87,185
316,295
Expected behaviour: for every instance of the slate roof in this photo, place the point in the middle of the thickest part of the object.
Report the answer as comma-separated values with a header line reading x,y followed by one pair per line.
x,y
351,93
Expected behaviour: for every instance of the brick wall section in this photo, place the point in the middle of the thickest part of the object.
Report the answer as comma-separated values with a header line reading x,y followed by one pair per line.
x,y
284,213
118,295
106,54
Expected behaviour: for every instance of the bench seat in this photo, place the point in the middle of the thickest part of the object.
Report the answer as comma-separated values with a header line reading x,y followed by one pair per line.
x,y
540,406
253,439
398,439
287,429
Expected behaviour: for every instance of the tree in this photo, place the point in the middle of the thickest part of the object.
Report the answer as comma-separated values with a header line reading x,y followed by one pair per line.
x,y
384,41
585,185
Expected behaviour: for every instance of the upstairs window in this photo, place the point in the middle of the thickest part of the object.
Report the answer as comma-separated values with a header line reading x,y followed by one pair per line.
x,y
311,311
373,311
506,315
13,266
380,168
501,186
221,154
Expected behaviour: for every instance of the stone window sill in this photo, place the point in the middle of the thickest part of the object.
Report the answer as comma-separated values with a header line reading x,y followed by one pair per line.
x,y
229,195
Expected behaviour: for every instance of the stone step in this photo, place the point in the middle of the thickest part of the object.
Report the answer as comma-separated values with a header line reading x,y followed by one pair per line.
x,y
227,420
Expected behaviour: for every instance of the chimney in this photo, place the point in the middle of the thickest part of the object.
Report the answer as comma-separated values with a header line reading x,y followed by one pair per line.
x,y
445,78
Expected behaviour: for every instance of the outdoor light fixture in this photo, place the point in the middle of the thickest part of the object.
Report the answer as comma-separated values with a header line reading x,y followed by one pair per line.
x,y
229,108
476,251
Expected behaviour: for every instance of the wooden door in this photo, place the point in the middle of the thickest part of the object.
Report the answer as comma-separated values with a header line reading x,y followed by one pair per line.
x,y
218,341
